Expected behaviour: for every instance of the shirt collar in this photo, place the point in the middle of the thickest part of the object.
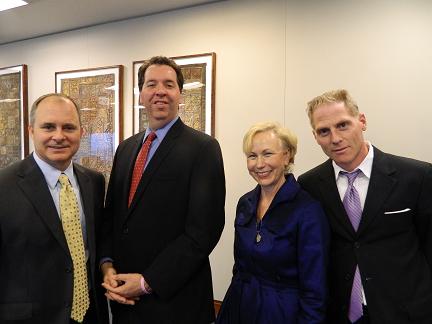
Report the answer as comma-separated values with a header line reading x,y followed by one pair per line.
x,y
161,132
52,174
365,166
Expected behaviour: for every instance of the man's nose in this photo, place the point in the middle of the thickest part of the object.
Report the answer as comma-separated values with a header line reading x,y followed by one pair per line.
x,y
160,90
58,134
335,137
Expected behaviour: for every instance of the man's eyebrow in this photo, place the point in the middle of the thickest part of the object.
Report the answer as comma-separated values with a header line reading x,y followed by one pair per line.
x,y
322,128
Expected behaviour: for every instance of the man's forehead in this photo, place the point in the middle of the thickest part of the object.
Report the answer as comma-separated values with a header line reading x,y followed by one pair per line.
x,y
160,70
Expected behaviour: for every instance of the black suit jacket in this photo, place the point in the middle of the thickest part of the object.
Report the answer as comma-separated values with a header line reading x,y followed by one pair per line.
x,y
393,245
174,222
36,268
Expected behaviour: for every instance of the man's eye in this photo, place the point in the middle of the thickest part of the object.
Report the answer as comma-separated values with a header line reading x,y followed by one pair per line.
x,y
69,128
150,85
322,132
48,127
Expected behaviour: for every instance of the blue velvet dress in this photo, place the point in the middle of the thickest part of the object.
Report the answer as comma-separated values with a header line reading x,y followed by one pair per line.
x,y
279,273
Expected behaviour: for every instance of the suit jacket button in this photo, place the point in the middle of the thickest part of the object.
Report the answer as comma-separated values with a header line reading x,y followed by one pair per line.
x,y
125,230
357,245
68,270
348,277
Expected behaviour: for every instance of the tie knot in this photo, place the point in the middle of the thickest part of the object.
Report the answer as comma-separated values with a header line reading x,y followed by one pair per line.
x,y
64,180
151,137
351,176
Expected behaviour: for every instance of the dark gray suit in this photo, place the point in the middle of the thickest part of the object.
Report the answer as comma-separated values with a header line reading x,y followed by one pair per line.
x,y
35,264
393,245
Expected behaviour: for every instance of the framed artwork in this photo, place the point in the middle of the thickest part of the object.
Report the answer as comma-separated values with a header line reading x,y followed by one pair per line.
x,y
99,95
197,109
13,114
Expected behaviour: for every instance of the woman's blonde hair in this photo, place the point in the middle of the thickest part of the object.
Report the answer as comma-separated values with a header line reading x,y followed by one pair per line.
x,y
287,138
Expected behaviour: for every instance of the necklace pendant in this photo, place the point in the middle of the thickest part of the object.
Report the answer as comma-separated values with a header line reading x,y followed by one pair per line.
x,y
258,238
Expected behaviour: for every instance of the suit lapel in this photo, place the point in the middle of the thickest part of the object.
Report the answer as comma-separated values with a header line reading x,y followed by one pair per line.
x,y
382,182
329,192
156,161
32,182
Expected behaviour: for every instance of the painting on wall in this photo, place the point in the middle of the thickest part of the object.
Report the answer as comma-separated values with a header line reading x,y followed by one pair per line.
x,y
99,95
197,109
13,114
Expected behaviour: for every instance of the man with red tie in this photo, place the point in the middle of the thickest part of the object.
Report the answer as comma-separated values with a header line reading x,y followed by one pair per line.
x,y
164,212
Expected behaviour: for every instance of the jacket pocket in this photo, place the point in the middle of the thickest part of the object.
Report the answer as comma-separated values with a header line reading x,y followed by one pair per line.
x,y
15,311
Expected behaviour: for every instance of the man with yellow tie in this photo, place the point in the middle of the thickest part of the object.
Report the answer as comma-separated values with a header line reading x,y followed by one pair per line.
x,y
49,220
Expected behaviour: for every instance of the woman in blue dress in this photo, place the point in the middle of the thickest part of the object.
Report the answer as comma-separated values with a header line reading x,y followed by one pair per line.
x,y
281,240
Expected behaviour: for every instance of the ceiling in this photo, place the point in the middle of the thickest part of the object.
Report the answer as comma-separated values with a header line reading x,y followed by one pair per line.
x,y
44,17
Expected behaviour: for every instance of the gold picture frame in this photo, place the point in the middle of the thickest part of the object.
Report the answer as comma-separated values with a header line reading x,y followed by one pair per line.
x,y
13,114
99,95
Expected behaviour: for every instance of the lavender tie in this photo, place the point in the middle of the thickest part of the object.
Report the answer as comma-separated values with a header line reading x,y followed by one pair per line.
x,y
352,204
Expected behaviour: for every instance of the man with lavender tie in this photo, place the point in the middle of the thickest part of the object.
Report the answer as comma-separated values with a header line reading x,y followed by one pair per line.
x,y
379,208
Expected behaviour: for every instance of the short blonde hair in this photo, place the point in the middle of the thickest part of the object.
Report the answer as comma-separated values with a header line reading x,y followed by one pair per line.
x,y
333,96
287,138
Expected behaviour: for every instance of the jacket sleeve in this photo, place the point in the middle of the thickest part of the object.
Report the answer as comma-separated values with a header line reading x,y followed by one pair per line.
x,y
313,247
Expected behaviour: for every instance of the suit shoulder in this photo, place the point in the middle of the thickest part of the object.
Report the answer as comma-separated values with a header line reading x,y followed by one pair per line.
x,y
314,172
406,162
131,139
88,171
197,136
10,171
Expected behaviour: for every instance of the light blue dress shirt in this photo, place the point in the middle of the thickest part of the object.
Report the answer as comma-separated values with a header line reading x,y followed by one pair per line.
x,y
51,175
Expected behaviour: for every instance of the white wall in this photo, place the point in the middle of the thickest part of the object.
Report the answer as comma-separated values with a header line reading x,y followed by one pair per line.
x,y
272,57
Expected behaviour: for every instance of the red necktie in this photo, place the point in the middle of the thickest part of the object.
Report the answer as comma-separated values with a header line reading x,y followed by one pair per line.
x,y
139,165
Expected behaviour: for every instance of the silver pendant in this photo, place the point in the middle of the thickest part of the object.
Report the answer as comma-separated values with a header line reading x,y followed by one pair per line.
x,y
258,238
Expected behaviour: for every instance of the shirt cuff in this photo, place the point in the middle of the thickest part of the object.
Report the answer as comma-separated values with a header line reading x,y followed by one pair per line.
x,y
104,260
143,288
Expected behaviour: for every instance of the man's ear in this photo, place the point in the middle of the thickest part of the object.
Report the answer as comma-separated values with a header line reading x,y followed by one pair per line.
x,y
30,131
362,120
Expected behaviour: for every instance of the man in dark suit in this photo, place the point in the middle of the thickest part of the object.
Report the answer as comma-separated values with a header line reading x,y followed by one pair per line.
x,y
37,261
380,268
159,235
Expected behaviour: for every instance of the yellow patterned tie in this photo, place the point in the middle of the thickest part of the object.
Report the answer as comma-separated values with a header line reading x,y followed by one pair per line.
x,y
69,213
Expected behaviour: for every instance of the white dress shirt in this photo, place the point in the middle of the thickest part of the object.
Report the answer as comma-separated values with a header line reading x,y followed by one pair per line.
x,y
361,183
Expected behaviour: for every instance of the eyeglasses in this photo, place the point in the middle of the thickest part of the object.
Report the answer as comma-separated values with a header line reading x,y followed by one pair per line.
x,y
265,156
